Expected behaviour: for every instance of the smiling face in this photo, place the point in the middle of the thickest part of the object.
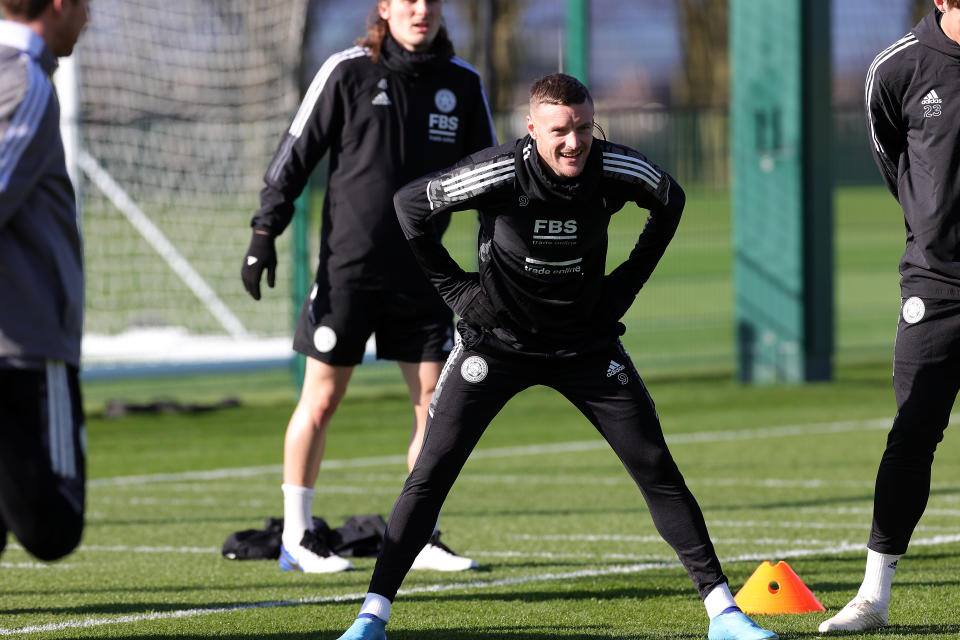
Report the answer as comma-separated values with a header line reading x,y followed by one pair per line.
x,y
564,133
414,24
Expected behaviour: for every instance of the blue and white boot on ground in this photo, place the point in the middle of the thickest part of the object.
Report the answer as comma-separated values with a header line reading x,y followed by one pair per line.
x,y
312,556
734,625
366,627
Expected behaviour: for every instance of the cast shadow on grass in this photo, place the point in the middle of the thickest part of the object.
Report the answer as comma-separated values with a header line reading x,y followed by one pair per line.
x,y
791,504
534,632
522,632
131,608
166,519
590,595
173,588
938,631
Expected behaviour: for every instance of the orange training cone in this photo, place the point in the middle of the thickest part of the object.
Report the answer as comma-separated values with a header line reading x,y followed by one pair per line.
x,y
776,589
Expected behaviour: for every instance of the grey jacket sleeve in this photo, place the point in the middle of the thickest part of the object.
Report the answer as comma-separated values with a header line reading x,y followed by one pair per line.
x,y
25,96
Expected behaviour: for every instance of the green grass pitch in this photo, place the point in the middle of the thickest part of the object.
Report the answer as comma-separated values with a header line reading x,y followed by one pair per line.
x,y
566,546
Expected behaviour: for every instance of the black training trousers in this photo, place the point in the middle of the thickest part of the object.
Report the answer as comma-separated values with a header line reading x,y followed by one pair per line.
x,y
42,466
926,378
606,388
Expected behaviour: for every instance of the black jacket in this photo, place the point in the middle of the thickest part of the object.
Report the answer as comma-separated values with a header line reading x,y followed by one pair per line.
x,y
383,124
541,287
913,116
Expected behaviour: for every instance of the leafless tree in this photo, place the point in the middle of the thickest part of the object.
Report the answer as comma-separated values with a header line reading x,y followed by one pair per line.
x,y
706,78
495,47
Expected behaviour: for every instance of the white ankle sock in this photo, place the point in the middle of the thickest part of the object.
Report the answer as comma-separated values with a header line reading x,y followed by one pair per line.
x,y
718,600
297,513
878,577
377,605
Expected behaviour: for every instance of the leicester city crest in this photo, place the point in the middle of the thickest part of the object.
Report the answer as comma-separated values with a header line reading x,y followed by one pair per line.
x,y
474,369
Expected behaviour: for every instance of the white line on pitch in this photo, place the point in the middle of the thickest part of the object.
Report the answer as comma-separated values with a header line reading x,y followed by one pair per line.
x,y
506,452
602,537
786,524
119,548
440,588
869,510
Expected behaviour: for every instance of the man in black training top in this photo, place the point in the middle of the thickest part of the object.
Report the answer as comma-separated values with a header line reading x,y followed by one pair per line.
x,y
913,117
398,105
541,312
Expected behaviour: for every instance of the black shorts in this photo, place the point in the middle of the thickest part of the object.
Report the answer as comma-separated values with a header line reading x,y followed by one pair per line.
x,y
42,461
334,326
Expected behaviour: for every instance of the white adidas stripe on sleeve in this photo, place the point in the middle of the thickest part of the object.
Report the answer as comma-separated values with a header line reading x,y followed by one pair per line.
x,y
483,95
317,85
898,46
26,120
632,166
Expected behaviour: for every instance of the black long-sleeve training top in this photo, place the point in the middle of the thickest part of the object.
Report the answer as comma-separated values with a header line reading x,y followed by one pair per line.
x,y
384,124
913,117
542,245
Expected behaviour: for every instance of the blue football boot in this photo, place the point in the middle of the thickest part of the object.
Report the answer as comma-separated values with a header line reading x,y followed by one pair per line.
x,y
734,625
366,627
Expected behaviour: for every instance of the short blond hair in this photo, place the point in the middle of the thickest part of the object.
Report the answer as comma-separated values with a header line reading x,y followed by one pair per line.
x,y
559,88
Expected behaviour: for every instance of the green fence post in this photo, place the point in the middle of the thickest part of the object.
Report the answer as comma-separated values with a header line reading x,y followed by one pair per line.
x,y
577,58
782,201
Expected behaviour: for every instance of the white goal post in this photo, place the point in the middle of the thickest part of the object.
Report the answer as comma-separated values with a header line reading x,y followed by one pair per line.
x,y
171,113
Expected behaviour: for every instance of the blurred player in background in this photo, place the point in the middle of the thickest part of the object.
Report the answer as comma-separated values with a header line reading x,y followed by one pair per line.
x,y
395,107
42,458
540,311
913,115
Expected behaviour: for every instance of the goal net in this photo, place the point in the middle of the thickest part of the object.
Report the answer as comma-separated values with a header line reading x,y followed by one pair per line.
x,y
179,107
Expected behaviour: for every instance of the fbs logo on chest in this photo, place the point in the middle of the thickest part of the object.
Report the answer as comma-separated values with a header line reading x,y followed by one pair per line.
x,y
441,126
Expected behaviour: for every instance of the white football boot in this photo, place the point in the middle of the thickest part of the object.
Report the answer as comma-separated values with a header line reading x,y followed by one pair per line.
x,y
439,557
312,556
858,615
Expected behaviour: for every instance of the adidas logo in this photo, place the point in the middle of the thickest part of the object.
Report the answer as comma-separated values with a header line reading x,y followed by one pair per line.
x,y
614,369
931,98
382,99
382,84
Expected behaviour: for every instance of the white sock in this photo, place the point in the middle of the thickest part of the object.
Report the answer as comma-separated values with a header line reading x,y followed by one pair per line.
x,y
718,600
878,577
377,605
297,513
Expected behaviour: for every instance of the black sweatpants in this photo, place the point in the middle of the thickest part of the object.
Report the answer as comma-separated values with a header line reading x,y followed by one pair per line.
x,y
926,379
42,467
606,388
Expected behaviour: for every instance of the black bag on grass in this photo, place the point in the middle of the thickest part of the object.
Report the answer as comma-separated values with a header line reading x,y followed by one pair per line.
x,y
360,536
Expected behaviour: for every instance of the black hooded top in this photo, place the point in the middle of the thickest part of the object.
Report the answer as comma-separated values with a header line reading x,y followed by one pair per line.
x,y
383,124
542,246
913,118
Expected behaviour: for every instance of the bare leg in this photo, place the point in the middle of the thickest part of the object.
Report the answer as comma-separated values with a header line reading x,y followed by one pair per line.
x,y
323,388
421,379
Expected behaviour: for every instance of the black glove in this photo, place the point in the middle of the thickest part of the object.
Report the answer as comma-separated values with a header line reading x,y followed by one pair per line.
x,y
260,255
480,312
